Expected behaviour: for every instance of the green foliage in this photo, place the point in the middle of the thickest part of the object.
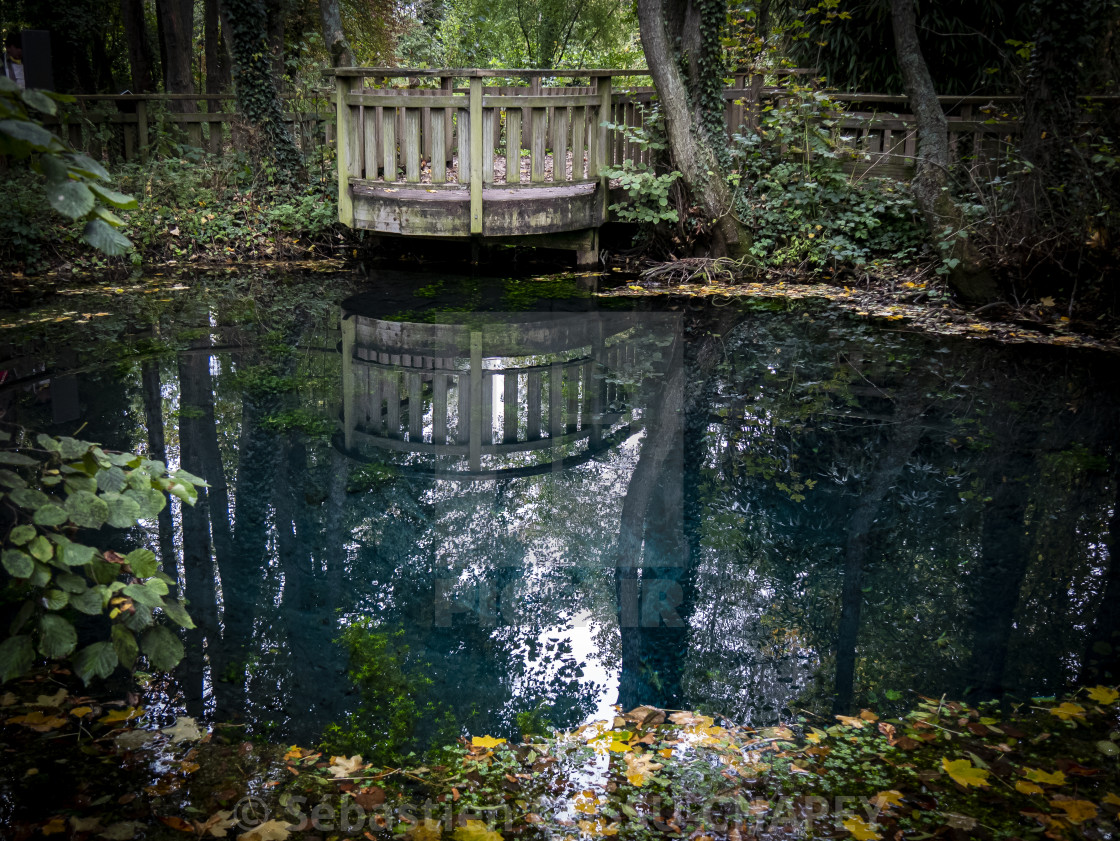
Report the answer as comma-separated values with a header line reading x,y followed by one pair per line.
x,y
392,718
648,190
75,184
52,488
800,204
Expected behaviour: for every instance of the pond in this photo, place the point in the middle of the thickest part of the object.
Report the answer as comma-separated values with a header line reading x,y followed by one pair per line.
x,y
443,504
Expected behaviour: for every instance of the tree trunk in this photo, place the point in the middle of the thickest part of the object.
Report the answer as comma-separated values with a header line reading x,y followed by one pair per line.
x,y
968,275
693,149
257,97
139,48
333,36
178,34
218,76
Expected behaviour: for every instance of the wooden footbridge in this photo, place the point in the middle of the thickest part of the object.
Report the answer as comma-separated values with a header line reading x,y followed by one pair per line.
x,y
463,154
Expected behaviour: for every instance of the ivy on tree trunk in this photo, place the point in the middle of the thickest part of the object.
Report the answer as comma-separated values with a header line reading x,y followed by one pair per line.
x,y
257,98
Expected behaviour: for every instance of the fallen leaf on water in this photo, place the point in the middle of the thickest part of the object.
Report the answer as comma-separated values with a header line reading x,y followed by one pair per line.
x,y
54,826
38,721
1039,776
851,721
267,831
1076,811
54,700
185,729
126,714
81,712
175,822
427,830
488,742
121,831
1104,695
343,767
1068,711
888,798
1024,787
475,831
639,768
861,830
217,824
964,773
598,828
1111,799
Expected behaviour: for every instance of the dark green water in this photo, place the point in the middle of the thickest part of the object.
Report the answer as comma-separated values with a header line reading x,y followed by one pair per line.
x,y
737,508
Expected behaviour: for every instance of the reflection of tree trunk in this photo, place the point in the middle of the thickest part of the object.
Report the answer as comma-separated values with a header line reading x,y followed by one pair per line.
x,y
196,425
153,417
1003,559
1102,659
902,439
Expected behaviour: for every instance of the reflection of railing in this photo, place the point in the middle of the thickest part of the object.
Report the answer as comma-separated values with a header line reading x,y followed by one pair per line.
x,y
481,397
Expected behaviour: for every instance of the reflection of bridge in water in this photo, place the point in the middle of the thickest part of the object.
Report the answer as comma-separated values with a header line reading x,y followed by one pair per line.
x,y
491,395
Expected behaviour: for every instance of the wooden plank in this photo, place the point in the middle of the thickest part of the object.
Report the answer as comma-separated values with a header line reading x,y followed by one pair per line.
x,y
439,380
392,392
216,140
445,85
463,129
463,425
579,127
488,117
439,144
129,143
194,134
345,204
555,396
509,408
487,405
477,428
537,150
371,137
543,100
513,146
389,143
426,128
415,407
533,392
560,145
403,99
142,129
477,133
572,376
411,144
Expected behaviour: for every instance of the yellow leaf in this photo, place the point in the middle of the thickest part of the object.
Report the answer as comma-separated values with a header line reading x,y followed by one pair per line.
x,y
427,830
1039,776
888,798
126,714
1047,301
1068,711
476,831
294,753
1023,787
80,712
38,721
639,767
964,773
851,721
1111,799
267,831
1104,695
587,803
54,826
488,742
598,828
861,830
1076,811
343,767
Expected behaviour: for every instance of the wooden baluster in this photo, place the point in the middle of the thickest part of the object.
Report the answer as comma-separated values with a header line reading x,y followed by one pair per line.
x,y
487,408
572,376
560,145
415,407
439,379
439,144
426,128
463,428
463,129
411,144
513,145
527,114
447,88
372,391
389,143
369,119
478,133
533,392
489,117
342,112
536,173
579,126
555,395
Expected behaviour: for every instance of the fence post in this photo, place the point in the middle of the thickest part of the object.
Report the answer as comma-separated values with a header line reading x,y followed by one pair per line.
x,y
603,151
142,129
342,150
476,155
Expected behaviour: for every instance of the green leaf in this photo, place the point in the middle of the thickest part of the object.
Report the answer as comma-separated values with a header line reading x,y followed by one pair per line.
x,y
22,615
17,563
86,165
73,448
97,660
19,459
158,586
139,620
71,198
102,236
112,197
7,477
28,132
124,459
81,482
87,509
55,599
51,515
177,613
143,562
71,583
150,500
124,643
143,594
162,648
40,575
47,443
184,476
16,656
111,480
22,534
57,637
123,512
41,549
39,101
92,601
76,554
29,498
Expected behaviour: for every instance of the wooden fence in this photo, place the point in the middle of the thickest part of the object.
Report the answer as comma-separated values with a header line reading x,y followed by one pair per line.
x,y
129,127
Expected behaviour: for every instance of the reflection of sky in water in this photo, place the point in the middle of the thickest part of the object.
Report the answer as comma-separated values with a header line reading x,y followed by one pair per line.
x,y
791,425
